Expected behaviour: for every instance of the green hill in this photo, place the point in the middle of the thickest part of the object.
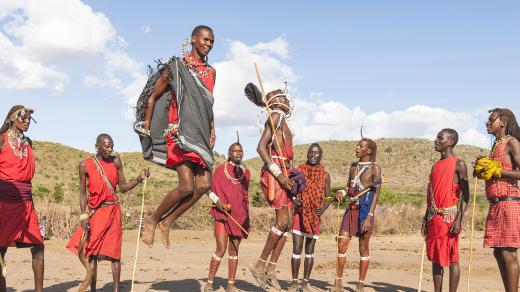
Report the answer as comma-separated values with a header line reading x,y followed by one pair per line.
x,y
405,163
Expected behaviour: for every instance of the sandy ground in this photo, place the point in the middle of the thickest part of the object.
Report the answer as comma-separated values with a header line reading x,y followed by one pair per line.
x,y
395,264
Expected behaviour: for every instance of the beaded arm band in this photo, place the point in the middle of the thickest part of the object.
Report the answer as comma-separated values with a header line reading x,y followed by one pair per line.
x,y
274,169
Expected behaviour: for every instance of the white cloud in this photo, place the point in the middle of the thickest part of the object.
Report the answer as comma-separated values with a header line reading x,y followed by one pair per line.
x,y
145,29
39,36
317,118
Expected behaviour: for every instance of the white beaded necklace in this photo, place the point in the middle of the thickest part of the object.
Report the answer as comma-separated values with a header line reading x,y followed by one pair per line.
x,y
232,179
18,143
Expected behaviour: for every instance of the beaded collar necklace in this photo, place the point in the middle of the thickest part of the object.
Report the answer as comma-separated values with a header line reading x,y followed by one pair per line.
x,y
191,62
498,141
18,143
232,179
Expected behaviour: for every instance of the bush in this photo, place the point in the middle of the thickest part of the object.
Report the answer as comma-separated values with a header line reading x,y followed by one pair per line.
x,y
58,193
389,197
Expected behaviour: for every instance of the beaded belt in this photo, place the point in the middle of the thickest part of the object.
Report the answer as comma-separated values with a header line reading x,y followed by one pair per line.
x,y
102,205
448,213
502,199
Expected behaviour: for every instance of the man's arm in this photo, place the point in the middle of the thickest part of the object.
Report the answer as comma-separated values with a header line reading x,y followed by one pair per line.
x,y
82,187
126,186
462,175
514,154
266,158
343,192
326,203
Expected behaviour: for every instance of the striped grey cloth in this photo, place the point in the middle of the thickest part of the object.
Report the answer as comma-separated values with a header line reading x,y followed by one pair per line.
x,y
195,110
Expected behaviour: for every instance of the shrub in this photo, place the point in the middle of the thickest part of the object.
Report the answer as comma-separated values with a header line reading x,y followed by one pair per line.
x,y
58,193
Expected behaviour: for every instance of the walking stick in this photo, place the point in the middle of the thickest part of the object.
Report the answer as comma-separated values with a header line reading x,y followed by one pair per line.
x,y
422,267
284,169
3,266
138,235
472,230
337,244
230,217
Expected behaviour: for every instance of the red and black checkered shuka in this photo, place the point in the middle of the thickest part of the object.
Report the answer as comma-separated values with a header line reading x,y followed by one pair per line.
x,y
503,220
312,196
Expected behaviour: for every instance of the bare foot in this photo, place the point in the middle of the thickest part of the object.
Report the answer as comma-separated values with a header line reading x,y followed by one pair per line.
x,y
360,287
165,233
148,231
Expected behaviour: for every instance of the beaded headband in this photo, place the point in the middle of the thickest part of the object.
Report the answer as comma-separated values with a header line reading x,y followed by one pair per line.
x,y
20,113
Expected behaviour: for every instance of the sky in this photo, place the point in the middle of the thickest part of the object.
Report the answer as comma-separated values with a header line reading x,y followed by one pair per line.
x,y
399,68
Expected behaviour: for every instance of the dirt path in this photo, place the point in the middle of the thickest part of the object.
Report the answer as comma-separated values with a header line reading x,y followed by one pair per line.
x,y
394,265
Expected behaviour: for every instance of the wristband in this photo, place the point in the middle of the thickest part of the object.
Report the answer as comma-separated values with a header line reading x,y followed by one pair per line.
x,y
371,214
213,197
343,193
83,216
274,169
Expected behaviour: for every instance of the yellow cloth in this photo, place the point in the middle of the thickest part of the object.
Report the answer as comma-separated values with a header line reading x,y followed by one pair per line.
x,y
487,168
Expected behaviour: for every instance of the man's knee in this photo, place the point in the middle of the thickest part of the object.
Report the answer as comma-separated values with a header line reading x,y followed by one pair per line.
x,y
37,251
185,190
202,187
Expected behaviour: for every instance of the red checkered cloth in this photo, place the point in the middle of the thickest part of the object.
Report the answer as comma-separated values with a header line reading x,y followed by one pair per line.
x,y
503,220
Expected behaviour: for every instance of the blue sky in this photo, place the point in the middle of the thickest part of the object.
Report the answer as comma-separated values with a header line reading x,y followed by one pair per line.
x,y
401,68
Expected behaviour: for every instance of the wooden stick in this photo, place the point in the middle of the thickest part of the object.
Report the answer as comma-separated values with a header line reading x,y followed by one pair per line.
x,y
230,217
366,190
264,96
337,243
472,230
3,266
419,289
138,235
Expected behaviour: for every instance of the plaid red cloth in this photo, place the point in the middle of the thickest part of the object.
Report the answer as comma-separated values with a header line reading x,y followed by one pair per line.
x,y
312,196
503,220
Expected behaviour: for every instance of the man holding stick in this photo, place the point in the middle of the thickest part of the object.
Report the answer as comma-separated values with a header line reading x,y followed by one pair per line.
x,y
275,150
501,172
230,194
443,218
364,187
101,174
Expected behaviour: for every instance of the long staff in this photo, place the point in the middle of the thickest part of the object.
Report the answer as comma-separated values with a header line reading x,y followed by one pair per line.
x,y
230,217
472,230
366,190
337,244
138,235
422,267
264,97
3,266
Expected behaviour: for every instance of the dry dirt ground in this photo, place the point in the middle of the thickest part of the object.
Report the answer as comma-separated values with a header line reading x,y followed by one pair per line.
x,y
395,264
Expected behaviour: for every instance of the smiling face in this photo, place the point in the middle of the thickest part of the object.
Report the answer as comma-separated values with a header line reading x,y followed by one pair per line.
x,y
202,42
105,147
236,154
314,155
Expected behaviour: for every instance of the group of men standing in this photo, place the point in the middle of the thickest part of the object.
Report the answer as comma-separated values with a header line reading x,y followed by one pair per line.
x,y
299,195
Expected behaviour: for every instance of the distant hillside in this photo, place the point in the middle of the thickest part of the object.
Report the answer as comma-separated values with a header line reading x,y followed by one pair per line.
x,y
406,163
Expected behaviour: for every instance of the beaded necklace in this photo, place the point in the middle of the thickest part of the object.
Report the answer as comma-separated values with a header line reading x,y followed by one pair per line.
x,y
232,179
495,144
18,143
190,61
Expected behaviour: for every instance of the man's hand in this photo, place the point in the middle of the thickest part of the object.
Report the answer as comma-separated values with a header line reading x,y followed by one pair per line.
x,y
455,227
84,223
223,207
145,172
285,182
320,210
367,223
297,202
340,195
212,139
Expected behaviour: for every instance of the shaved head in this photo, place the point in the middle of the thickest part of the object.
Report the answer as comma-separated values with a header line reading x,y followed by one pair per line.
x,y
453,135
199,28
102,137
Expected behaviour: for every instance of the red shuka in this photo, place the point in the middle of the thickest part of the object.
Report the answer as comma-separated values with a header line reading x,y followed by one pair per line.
x,y
442,247
18,219
106,231
235,194
270,184
503,220
175,154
